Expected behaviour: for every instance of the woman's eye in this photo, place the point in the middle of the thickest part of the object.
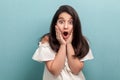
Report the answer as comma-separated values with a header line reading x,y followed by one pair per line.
x,y
71,22
61,22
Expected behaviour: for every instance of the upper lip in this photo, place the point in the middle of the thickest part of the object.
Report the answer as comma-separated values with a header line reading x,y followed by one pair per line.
x,y
65,31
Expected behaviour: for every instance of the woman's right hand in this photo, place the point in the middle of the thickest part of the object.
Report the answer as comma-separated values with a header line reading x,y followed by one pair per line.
x,y
59,36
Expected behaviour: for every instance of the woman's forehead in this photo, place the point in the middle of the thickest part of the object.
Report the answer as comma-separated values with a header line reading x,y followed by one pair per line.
x,y
64,15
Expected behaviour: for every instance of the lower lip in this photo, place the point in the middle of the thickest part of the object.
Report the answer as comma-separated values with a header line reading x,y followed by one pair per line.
x,y
65,37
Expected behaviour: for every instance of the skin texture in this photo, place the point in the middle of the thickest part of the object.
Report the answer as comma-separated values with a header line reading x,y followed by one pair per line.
x,y
64,24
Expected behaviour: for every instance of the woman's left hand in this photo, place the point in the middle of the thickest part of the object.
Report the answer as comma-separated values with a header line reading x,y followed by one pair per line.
x,y
69,40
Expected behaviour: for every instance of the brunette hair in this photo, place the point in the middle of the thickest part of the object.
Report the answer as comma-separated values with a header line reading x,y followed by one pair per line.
x,y
79,42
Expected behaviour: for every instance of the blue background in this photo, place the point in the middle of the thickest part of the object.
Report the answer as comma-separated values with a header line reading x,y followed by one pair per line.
x,y
23,22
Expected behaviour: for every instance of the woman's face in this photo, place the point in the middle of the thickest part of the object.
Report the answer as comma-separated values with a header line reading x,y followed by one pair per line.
x,y
65,24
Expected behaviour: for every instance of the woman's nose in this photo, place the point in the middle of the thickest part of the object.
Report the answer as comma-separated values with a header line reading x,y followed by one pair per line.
x,y
66,25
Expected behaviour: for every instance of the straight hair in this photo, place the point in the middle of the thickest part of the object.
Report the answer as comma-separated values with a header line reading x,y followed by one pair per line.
x,y
79,42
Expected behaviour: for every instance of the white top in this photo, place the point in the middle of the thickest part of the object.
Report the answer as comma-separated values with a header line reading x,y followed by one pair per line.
x,y
45,53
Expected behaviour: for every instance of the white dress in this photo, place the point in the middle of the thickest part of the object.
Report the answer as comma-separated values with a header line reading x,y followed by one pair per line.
x,y
45,53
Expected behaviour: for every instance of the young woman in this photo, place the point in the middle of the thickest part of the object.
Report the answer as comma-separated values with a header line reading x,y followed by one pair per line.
x,y
64,49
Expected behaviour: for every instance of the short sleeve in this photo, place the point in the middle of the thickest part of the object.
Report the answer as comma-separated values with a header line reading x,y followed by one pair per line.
x,y
89,56
43,53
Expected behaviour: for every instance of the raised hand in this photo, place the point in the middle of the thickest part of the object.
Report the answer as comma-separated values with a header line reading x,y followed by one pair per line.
x,y
59,36
69,40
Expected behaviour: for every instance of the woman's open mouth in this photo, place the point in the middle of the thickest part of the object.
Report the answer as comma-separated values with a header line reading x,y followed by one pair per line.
x,y
65,35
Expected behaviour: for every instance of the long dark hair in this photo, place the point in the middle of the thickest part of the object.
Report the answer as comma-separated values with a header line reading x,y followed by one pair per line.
x,y
79,42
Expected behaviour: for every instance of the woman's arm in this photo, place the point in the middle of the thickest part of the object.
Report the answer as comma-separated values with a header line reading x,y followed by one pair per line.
x,y
74,63
55,66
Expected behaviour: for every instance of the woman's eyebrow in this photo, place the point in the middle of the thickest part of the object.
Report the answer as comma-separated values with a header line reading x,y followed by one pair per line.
x,y
63,18
60,18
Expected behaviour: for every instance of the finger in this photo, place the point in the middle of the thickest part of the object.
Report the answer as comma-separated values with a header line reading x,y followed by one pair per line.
x,y
71,33
56,29
57,32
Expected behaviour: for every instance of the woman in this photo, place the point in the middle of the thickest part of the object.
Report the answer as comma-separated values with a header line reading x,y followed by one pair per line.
x,y
64,49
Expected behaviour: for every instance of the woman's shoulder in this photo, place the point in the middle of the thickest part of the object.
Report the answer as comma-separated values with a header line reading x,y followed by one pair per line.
x,y
45,38
44,42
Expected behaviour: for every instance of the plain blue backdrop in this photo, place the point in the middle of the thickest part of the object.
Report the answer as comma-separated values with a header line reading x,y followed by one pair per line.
x,y
23,22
